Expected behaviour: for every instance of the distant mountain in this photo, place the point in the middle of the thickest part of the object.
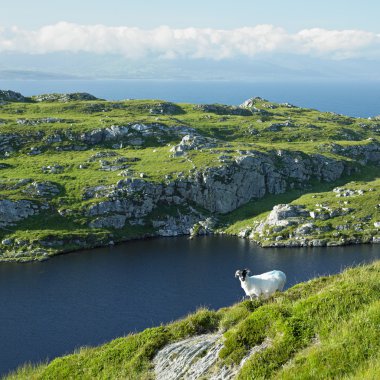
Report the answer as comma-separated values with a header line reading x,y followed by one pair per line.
x,y
267,67
35,75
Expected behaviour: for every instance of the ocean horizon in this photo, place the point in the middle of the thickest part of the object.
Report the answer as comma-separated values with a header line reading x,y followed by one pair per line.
x,y
358,99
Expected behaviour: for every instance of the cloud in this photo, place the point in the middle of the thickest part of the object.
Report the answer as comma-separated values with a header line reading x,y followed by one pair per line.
x,y
191,43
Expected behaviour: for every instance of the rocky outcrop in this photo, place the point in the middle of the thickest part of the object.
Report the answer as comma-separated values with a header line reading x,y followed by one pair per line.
x,y
197,358
282,216
130,132
45,120
133,198
166,108
223,110
134,134
290,225
45,189
192,142
254,174
112,221
64,98
11,96
12,212
216,189
251,102
364,153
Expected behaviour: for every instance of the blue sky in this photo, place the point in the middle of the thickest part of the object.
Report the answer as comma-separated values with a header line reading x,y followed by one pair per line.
x,y
291,14
195,38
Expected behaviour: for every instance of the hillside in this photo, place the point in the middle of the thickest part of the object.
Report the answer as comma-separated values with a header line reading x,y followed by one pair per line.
x,y
325,328
79,172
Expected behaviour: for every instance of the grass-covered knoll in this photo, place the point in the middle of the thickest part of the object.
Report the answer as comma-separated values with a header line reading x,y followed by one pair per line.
x,y
325,328
75,143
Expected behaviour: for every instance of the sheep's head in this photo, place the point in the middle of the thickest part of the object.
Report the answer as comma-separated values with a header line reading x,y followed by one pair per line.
x,y
242,274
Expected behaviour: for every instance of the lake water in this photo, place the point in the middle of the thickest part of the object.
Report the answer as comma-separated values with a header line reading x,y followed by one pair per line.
x,y
89,297
360,99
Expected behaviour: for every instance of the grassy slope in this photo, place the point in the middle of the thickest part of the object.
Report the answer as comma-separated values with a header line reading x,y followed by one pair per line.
x,y
324,328
310,131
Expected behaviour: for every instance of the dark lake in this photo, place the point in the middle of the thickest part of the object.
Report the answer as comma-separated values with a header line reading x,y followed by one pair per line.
x,y
89,297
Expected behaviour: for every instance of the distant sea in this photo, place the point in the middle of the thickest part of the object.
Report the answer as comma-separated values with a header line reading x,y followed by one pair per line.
x,y
360,99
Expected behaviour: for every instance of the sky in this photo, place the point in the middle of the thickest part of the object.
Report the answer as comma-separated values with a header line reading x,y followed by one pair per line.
x,y
292,15
297,32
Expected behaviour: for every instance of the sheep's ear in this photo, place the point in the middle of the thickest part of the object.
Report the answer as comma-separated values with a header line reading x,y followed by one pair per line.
x,y
247,271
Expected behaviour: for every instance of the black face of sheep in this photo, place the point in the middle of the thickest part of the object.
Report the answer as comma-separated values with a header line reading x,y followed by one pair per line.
x,y
242,274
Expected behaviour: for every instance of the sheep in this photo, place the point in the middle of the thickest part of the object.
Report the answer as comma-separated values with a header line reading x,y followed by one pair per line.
x,y
264,284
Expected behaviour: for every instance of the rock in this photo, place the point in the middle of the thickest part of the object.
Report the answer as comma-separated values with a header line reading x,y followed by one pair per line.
x,y
166,108
34,151
11,96
368,152
22,182
318,243
245,232
223,110
53,169
176,225
282,216
15,211
134,198
96,156
305,229
44,189
287,105
116,131
46,120
198,358
183,360
252,175
192,142
7,241
137,141
114,165
319,215
113,221
275,127
64,97
342,192
203,227
54,138
251,102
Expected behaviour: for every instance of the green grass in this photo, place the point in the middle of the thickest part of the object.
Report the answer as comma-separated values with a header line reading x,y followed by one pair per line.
x,y
326,328
310,132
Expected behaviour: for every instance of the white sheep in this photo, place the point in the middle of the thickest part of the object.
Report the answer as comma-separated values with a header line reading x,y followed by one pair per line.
x,y
264,284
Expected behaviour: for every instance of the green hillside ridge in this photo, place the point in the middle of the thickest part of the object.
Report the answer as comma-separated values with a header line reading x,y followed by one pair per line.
x,y
78,172
325,328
